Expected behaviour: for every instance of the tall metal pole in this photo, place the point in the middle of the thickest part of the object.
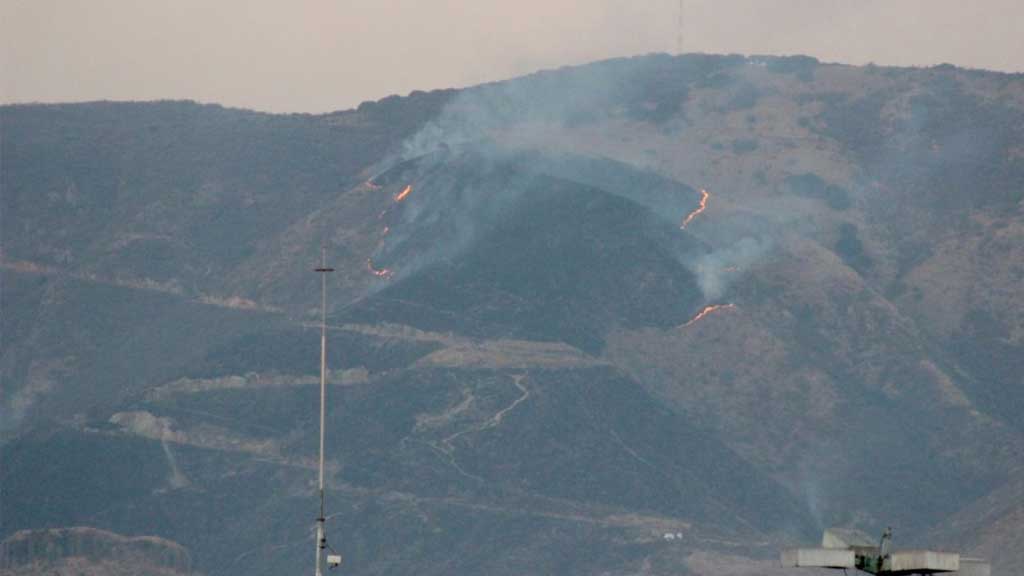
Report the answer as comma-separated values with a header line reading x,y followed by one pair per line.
x,y
679,30
321,537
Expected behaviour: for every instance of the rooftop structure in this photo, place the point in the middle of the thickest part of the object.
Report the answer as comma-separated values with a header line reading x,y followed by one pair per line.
x,y
843,549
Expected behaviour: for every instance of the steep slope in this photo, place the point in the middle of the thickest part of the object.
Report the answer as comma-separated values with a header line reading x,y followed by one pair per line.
x,y
661,315
536,429
990,527
513,252
89,552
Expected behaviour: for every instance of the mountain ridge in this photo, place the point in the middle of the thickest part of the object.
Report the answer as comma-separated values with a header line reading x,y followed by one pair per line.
x,y
772,257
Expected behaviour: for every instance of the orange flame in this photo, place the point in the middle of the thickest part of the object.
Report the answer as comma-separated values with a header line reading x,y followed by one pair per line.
x,y
401,195
703,206
708,310
385,272
379,272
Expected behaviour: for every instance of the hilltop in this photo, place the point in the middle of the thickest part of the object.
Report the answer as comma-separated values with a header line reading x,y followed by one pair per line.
x,y
657,314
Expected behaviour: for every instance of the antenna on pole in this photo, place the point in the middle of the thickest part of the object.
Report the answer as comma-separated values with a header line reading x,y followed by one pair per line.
x,y
321,536
679,30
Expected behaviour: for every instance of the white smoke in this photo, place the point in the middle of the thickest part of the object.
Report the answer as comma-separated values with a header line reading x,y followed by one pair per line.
x,y
812,490
444,215
147,425
16,407
178,478
14,410
549,98
716,270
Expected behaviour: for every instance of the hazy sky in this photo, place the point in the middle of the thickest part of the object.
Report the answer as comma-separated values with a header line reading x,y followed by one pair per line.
x,y
320,55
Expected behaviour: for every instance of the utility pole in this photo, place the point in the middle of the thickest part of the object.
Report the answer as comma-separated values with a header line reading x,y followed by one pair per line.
x,y
321,537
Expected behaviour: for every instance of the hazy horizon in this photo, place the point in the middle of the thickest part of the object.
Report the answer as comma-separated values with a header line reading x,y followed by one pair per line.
x,y
319,56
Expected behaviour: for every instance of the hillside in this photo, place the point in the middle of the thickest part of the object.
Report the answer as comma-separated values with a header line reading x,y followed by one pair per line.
x,y
659,314
88,551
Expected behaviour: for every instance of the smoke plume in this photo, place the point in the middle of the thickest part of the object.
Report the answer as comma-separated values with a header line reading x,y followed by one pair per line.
x,y
717,269
467,173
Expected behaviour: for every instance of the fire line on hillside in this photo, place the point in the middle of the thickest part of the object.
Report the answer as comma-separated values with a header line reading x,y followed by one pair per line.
x,y
708,310
398,198
405,192
703,206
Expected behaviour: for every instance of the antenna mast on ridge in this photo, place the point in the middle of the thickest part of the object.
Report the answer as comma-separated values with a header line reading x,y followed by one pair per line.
x,y
321,537
679,30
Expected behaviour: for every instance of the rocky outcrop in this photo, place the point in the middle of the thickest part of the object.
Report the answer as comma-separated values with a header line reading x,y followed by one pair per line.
x,y
63,550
